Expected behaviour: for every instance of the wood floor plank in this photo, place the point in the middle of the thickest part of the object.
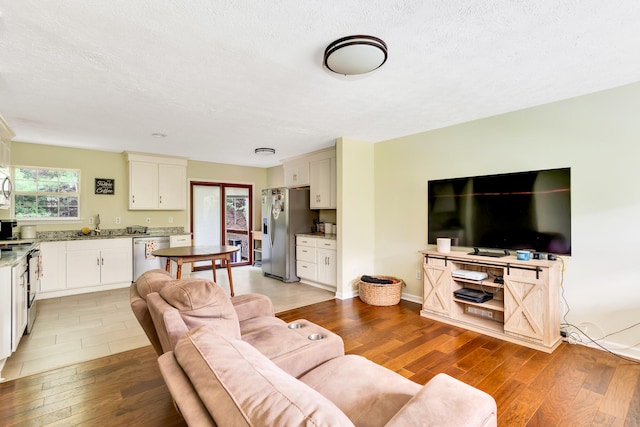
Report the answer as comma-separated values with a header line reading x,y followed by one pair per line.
x,y
574,386
621,390
583,409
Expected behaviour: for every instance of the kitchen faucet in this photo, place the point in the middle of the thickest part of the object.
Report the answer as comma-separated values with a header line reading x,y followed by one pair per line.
x,y
97,230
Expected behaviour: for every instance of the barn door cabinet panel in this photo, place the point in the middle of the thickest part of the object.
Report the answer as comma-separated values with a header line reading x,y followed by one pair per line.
x,y
437,287
524,307
157,183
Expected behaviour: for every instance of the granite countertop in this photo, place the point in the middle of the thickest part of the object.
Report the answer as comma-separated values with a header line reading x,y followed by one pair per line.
x,y
22,246
56,236
8,258
318,235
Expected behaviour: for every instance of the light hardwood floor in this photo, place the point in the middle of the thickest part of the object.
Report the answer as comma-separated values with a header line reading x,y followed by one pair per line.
x,y
573,386
85,327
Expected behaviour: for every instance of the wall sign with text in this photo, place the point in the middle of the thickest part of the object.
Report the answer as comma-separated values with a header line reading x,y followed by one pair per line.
x,y
105,186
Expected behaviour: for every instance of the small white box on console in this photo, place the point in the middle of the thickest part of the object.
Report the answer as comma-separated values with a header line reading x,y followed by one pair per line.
x,y
470,275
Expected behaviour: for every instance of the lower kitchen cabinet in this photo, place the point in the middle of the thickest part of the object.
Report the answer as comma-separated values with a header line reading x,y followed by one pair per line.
x,y
54,267
78,266
13,306
19,300
327,271
5,312
316,260
99,262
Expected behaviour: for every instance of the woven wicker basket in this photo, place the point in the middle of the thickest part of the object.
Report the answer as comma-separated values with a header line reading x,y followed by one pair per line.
x,y
377,294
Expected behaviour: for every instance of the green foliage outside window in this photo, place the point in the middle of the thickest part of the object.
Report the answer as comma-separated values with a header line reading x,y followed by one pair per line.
x,y
46,193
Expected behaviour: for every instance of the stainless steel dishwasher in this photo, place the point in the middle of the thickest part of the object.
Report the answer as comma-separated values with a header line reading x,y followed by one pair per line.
x,y
143,260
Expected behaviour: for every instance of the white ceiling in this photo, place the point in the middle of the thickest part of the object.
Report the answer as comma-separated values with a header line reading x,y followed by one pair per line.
x,y
221,78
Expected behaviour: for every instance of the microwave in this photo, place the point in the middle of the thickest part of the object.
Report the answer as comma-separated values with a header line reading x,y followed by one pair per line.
x,y
6,188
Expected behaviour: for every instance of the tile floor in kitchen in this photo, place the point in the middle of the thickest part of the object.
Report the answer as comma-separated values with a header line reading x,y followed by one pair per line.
x,y
88,326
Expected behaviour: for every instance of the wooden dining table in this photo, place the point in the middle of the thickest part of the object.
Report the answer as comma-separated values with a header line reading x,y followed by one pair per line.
x,y
186,254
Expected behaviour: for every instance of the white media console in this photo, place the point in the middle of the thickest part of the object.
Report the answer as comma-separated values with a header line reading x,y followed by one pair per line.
x,y
525,304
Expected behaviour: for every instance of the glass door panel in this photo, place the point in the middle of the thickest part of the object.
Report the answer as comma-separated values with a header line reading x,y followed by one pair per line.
x,y
237,223
206,223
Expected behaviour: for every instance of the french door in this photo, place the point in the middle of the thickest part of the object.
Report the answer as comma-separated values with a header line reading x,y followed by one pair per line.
x,y
221,214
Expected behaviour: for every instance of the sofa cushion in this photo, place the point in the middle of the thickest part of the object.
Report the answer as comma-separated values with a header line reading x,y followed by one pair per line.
x,y
447,402
152,281
201,302
369,394
239,386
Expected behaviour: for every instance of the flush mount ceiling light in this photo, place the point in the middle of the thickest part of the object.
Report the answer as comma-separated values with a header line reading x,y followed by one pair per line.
x,y
264,151
355,55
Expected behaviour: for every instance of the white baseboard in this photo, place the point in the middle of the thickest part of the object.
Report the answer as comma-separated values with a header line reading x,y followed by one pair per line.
x,y
412,298
615,348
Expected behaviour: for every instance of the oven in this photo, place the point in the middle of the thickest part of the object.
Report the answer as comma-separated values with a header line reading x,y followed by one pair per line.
x,y
34,262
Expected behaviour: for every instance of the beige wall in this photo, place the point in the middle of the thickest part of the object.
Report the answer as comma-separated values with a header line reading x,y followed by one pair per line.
x,y
598,136
218,172
355,214
102,164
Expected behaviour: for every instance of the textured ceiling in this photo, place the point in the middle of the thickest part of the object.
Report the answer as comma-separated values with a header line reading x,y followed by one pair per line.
x,y
221,78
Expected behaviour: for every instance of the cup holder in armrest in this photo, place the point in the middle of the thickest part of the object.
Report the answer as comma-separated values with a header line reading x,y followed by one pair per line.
x,y
317,337
296,325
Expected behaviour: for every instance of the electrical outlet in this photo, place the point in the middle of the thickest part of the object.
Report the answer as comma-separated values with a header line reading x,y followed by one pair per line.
x,y
418,274
117,220
148,220
90,220
170,220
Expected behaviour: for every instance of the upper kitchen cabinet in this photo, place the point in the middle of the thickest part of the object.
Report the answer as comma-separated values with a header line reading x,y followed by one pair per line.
x,y
316,170
296,173
322,183
157,182
6,134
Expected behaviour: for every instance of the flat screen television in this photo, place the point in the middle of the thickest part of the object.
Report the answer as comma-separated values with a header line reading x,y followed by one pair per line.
x,y
523,210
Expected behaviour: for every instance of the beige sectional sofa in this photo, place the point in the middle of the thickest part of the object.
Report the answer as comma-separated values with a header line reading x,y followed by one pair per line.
x,y
230,361
219,380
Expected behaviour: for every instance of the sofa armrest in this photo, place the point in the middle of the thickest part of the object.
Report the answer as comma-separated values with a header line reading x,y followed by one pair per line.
x,y
445,401
184,396
167,321
249,306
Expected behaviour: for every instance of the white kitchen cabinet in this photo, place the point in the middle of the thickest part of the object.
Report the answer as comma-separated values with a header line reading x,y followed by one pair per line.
x,y
19,302
5,312
157,183
5,153
54,266
6,134
316,260
99,262
322,183
306,258
143,185
326,265
296,173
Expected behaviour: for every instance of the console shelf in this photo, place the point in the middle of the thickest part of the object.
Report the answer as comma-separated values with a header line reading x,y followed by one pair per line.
x,y
525,308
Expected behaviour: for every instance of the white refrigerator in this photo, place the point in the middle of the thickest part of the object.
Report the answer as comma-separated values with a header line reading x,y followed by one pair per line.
x,y
285,213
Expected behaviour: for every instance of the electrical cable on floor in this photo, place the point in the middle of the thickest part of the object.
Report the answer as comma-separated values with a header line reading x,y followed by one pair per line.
x,y
628,359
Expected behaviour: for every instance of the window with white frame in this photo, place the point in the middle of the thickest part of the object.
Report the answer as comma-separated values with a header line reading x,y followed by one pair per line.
x,y
46,193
